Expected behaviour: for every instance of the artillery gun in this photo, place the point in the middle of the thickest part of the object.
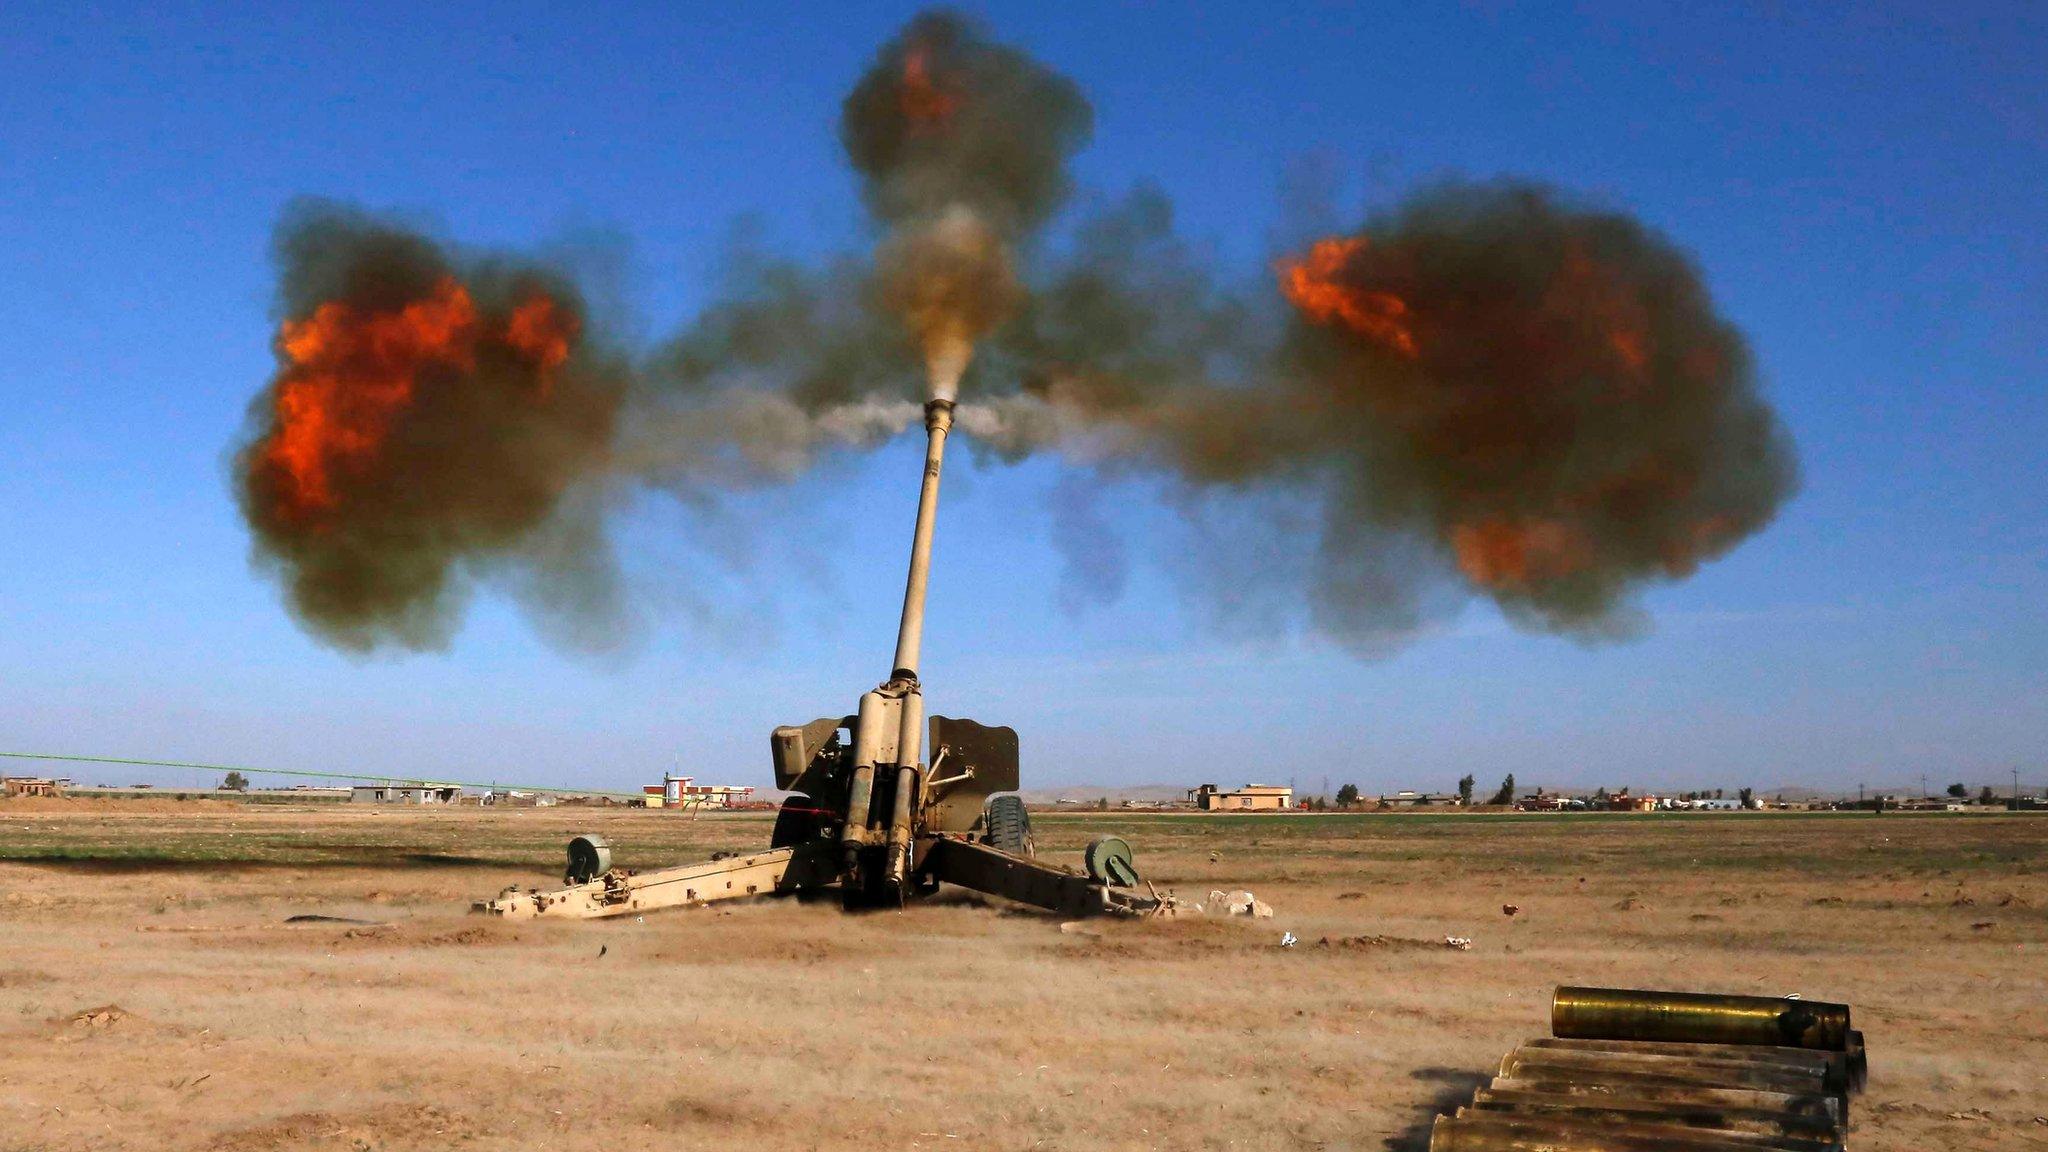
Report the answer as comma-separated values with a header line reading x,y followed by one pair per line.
x,y
870,815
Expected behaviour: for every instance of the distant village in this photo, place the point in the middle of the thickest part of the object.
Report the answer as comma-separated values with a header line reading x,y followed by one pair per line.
x,y
683,793
1348,798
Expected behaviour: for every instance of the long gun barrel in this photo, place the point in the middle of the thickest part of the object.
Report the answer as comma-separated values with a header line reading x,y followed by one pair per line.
x,y
869,813
938,420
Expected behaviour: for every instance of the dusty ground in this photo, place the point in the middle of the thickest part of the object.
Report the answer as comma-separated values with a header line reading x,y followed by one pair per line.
x,y
785,1026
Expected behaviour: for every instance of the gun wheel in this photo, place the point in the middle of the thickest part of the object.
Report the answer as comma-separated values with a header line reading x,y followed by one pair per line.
x,y
590,856
1008,826
1109,862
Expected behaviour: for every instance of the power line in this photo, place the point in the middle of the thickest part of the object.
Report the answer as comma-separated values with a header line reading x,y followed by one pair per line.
x,y
416,781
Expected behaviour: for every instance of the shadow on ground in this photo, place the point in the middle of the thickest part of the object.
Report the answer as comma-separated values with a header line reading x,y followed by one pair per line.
x,y
1454,1088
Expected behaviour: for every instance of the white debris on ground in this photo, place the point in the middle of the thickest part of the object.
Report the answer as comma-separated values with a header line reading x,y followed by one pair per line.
x,y
1287,940
1238,903
1461,943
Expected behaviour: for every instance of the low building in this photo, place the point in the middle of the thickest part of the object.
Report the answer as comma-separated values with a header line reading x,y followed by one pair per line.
x,y
32,786
402,794
685,792
1250,798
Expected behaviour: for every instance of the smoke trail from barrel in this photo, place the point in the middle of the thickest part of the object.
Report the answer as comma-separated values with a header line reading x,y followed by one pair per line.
x,y
961,145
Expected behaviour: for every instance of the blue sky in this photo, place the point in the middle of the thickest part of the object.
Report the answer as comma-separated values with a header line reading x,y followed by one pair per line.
x,y
1864,191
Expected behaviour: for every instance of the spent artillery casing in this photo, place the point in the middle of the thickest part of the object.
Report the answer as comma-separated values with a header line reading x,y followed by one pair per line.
x,y
1597,1086
1835,1065
1552,1064
1697,1018
1856,1062
1485,1132
1822,1109
1790,1128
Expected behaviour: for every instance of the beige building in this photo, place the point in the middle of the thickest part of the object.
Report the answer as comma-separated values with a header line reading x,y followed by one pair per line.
x,y
32,786
1250,798
684,792
402,794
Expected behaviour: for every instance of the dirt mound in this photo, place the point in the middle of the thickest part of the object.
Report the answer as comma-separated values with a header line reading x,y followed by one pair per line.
x,y
103,1020
1386,944
468,937
417,936
104,1016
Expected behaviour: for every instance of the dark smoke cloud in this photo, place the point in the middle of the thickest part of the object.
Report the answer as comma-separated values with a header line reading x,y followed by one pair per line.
x,y
427,418
946,117
789,365
416,439
817,336
1487,389
1489,385
962,146
1556,403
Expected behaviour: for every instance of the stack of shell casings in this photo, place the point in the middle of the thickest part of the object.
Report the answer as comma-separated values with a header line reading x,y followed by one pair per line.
x,y
1627,1071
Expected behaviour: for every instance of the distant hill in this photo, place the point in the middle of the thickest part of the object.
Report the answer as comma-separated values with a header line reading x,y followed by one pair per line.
x,y
1115,794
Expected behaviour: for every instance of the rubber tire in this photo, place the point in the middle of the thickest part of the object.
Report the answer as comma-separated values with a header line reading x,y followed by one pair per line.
x,y
795,824
1009,826
590,856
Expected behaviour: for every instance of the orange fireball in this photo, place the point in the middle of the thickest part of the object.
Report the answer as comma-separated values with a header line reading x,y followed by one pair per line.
x,y
1314,284
348,374
351,373
1504,554
925,104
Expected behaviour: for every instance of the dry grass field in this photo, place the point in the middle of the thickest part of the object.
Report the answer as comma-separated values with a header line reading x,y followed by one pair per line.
x,y
959,1024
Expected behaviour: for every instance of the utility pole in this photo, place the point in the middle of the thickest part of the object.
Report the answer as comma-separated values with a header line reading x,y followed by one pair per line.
x,y
2015,781
1923,785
